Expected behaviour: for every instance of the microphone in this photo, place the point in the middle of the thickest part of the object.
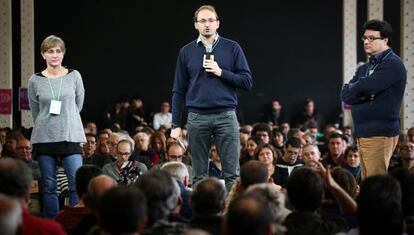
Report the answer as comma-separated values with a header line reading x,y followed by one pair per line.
x,y
209,52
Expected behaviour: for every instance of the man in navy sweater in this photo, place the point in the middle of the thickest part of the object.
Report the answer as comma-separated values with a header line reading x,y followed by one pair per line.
x,y
208,72
375,93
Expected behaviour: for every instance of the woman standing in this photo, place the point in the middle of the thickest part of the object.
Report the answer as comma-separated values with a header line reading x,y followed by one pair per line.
x,y
56,97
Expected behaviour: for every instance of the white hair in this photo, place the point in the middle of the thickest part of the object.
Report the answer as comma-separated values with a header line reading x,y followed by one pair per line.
x,y
10,215
274,196
177,170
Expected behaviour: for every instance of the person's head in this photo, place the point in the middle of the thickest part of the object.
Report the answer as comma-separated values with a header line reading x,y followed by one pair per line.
x,y
329,129
407,151
243,140
310,153
103,147
53,50
3,133
123,152
165,107
263,131
104,134
208,197
158,141
285,127
266,153
90,127
305,189
162,193
141,141
24,150
10,215
83,176
175,152
11,141
410,134
347,130
309,106
377,36
276,106
278,137
379,206
214,154
253,172
293,147
96,188
89,147
122,210
252,144
113,142
276,199
206,21
336,144
15,179
352,156
406,179
178,171
249,215
345,179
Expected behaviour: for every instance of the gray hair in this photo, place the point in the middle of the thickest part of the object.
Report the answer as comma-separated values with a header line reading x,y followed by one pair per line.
x,y
274,196
177,170
10,215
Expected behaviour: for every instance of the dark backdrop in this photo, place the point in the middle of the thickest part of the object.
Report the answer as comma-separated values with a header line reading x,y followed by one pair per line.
x,y
294,48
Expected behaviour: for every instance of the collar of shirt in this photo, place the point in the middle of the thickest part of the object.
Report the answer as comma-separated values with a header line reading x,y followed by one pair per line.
x,y
214,42
377,58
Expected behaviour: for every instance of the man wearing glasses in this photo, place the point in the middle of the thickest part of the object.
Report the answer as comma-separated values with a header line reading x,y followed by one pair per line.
x,y
208,72
124,170
375,93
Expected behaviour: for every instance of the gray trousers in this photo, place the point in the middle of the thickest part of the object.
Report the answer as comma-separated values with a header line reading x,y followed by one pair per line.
x,y
223,129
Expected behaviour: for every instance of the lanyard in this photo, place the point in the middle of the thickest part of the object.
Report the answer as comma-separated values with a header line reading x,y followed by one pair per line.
x,y
51,89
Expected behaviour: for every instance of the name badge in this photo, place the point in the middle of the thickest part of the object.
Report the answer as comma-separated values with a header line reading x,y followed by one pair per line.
x,y
55,106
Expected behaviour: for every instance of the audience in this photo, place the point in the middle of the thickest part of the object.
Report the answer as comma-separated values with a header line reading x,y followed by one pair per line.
x,y
208,203
249,215
289,161
16,180
124,170
162,193
122,210
336,147
70,216
320,199
10,215
310,155
179,172
305,189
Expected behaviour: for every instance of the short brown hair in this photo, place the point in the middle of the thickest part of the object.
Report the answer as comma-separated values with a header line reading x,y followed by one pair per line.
x,y
52,41
205,7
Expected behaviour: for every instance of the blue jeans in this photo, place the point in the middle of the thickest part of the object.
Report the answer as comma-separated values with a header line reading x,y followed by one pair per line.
x,y
223,129
47,165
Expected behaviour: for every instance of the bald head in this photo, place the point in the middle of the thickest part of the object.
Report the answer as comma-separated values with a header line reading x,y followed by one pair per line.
x,y
100,184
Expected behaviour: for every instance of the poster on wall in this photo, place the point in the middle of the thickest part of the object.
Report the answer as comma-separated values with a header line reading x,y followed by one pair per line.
x,y
23,99
5,101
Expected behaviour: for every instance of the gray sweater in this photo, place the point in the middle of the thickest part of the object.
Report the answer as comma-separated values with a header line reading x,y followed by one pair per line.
x,y
67,126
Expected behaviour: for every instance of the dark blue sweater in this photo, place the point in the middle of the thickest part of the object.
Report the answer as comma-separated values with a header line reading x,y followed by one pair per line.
x,y
204,92
376,98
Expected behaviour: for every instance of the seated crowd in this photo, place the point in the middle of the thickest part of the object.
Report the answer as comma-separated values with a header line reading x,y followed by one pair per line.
x,y
295,178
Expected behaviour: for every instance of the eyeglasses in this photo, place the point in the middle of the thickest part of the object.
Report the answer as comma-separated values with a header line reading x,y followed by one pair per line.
x,y
370,38
203,21
123,154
